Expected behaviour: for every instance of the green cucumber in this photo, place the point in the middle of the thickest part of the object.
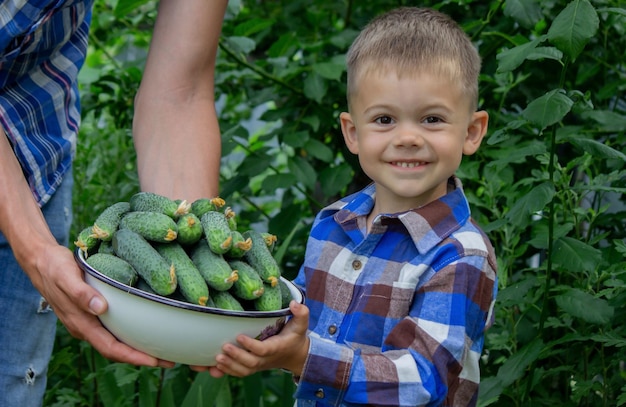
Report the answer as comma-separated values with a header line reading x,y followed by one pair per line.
x,y
270,240
189,229
151,202
190,282
285,294
240,245
271,300
143,286
113,267
202,205
86,241
214,268
231,218
225,300
106,247
144,258
216,231
109,219
249,285
152,226
261,259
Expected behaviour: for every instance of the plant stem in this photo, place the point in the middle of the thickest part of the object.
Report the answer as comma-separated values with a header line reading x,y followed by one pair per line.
x,y
256,69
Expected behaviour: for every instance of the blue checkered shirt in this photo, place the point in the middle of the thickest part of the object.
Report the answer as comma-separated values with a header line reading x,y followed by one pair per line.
x,y
398,314
43,46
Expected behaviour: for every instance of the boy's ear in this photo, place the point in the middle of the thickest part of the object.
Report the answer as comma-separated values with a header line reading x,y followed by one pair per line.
x,y
348,129
476,130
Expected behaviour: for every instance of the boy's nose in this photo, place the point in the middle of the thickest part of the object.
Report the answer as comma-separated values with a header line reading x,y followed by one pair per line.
x,y
409,136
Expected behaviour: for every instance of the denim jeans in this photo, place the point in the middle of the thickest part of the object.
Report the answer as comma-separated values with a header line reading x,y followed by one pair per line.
x,y
27,324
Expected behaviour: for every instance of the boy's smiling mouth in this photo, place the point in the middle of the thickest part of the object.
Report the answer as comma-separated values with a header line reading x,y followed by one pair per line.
x,y
407,164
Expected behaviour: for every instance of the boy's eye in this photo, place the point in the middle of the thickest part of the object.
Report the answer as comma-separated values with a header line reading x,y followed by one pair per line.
x,y
432,119
384,120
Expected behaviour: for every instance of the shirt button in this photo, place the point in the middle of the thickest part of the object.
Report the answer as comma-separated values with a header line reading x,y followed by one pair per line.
x,y
332,329
356,264
319,393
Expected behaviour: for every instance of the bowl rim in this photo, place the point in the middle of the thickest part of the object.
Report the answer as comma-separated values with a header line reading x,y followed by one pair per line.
x,y
79,255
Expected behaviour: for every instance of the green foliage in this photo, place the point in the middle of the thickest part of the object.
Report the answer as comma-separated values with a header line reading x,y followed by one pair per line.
x,y
547,184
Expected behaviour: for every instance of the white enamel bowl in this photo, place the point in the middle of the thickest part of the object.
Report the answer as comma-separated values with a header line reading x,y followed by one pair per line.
x,y
174,330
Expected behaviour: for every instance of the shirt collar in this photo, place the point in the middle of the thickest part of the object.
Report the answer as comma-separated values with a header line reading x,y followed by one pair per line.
x,y
427,225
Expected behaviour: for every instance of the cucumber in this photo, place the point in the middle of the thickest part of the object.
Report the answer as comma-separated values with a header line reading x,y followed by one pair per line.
x,y
190,282
113,267
144,258
231,218
189,229
214,268
249,285
285,294
151,202
239,247
225,300
261,259
270,240
143,286
86,241
216,231
106,247
202,205
271,300
109,219
152,226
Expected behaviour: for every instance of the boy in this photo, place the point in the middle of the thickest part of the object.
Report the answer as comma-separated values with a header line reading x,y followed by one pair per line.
x,y
400,283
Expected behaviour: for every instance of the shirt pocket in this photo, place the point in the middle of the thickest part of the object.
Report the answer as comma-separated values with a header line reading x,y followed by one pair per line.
x,y
376,311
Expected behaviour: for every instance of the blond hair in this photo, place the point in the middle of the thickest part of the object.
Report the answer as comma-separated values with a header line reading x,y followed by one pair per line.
x,y
412,40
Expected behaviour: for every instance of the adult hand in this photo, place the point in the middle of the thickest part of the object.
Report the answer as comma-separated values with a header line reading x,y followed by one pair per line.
x,y
58,278
287,350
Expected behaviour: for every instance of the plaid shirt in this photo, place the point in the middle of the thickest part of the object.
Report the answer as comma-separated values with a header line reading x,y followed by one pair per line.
x,y
397,315
43,46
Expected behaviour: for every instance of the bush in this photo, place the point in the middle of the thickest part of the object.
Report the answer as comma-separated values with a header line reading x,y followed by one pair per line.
x,y
546,185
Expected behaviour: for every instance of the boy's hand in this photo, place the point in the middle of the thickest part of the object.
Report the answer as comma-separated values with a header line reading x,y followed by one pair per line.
x,y
287,350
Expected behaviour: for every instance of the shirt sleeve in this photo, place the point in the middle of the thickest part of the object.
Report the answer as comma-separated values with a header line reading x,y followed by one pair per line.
x,y
429,358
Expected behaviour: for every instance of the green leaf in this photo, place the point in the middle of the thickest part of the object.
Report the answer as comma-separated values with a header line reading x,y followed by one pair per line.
x,y
125,7
254,164
575,256
204,388
540,234
319,150
597,149
334,179
296,139
608,120
283,45
545,53
489,391
514,367
585,306
276,181
303,171
574,27
252,389
243,45
329,70
315,87
548,109
252,26
525,12
511,58
535,200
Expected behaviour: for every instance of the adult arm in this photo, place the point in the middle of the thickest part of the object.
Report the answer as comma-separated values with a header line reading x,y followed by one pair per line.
x,y
51,267
175,126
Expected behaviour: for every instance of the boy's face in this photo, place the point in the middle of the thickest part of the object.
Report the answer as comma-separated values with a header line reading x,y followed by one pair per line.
x,y
410,134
